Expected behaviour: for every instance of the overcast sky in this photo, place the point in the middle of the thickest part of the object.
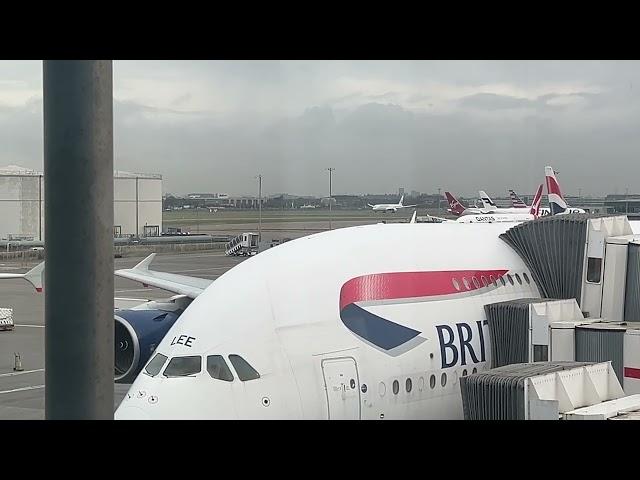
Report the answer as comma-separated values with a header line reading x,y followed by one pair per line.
x,y
211,126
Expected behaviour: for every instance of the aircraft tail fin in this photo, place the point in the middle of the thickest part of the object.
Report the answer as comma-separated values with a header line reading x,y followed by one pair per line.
x,y
516,201
537,200
413,217
557,203
401,199
486,200
455,206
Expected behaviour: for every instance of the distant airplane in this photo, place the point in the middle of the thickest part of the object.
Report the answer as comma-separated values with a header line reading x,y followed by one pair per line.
x,y
557,203
390,207
489,205
516,201
457,208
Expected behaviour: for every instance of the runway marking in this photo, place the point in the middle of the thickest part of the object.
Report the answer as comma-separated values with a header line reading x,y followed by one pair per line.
x,y
27,325
11,374
23,389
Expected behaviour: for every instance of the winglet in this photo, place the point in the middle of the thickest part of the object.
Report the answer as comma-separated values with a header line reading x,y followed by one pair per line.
x,y
144,264
34,276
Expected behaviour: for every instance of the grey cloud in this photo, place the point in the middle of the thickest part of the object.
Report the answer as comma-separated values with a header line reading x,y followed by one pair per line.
x,y
492,101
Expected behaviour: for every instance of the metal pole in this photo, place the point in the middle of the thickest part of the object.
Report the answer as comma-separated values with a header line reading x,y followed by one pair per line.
x,y
40,208
260,208
331,169
78,168
137,227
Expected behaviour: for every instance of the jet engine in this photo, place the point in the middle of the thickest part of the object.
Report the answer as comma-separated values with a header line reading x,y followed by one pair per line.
x,y
139,330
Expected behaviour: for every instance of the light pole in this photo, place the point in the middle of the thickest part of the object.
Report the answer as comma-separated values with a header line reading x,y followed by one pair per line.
x,y
439,200
331,169
259,208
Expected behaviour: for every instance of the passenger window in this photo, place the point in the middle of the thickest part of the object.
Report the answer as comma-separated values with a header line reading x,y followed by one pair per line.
x,y
396,387
493,280
218,368
594,269
243,369
475,282
432,381
510,278
526,277
464,372
518,279
408,385
484,281
466,283
502,281
443,379
155,365
456,285
475,370
183,366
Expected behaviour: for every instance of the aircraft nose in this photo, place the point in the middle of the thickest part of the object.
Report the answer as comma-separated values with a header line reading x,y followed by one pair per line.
x,y
131,413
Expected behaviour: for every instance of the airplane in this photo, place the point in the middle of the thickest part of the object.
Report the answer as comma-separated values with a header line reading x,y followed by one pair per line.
x,y
516,201
489,205
390,207
557,203
491,216
346,334
534,212
457,208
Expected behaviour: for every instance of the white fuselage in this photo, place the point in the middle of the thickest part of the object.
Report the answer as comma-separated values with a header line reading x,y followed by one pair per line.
x,y
285,312
493,217
387,207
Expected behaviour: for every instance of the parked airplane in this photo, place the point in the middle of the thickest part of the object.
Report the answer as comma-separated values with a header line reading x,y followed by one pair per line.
x,y
346,334
516,201
557,203
533,213
390,207
457,208
489,205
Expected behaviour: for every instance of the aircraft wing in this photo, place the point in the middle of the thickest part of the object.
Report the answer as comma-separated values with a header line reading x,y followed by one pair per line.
x,y
33,276
181,284
408,206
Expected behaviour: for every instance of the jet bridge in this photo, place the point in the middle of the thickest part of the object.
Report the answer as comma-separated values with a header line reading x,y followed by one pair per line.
x,y
592,258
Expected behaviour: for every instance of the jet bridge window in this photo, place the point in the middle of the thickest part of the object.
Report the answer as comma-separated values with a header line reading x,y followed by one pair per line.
x,y
218,368
243,369
155,365
594,269
183,366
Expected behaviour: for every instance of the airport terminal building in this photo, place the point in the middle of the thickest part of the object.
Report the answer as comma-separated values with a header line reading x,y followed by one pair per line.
x,y
137,204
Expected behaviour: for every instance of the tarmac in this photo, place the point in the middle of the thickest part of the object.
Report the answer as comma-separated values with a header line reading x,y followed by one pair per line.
x,y
22,393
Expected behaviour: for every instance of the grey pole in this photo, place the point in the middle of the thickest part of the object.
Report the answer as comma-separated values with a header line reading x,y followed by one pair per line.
x,y
78,174
331,169
259,208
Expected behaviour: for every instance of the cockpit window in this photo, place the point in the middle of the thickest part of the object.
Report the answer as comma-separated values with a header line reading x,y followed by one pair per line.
x,y
154,366
218,368
183,366
244,370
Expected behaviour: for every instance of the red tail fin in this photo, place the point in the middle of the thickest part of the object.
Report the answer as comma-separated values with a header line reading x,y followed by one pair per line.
x,y
455,206
537,200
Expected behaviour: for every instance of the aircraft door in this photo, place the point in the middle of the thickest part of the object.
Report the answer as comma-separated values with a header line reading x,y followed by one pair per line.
x,y
342,387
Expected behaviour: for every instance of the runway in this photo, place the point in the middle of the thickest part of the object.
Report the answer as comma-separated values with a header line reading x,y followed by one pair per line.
x,y
22,393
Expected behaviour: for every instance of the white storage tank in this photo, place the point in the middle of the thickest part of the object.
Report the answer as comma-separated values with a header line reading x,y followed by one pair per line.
x,y
137,204
21,204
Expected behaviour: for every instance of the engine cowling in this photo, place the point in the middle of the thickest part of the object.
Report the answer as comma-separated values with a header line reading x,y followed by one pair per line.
x,y
138,331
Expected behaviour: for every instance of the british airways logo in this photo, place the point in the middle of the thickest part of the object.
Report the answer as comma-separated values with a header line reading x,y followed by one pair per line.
x,y
408,287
